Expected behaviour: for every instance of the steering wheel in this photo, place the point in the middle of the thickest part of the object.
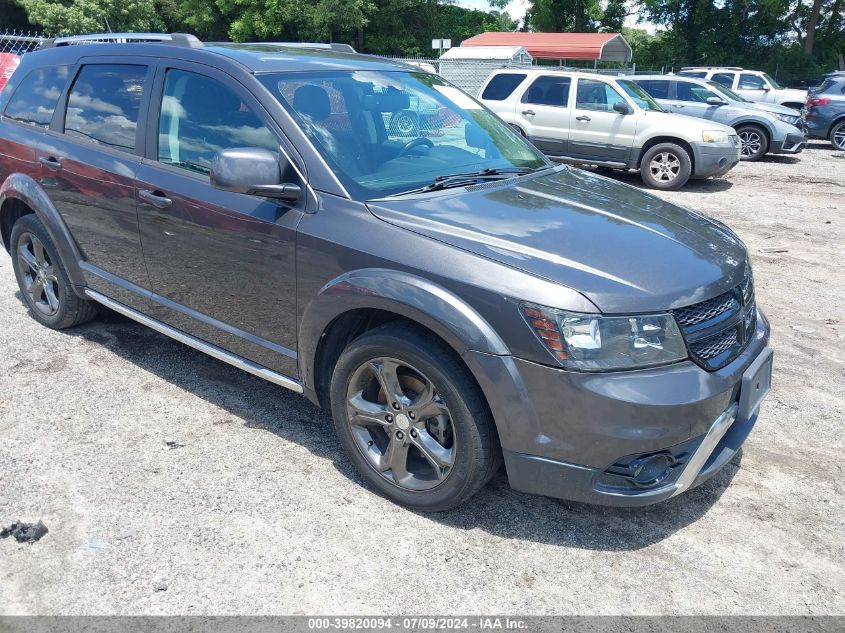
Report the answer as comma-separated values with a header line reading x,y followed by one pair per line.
x,y
417,142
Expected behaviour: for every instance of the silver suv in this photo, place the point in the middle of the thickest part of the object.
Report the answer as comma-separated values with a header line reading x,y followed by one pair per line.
x,y
762,128
611,122
754,85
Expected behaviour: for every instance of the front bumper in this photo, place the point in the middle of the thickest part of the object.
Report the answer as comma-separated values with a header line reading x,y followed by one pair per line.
x,y
791,144
714,160
580,436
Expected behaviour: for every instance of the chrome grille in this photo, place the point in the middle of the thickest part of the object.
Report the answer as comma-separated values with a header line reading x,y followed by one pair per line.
x,y
714,345
706,310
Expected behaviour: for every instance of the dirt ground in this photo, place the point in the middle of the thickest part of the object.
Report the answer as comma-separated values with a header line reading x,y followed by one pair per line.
x,y
174,484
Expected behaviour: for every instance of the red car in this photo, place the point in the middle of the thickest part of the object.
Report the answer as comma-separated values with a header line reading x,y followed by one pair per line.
x,y
8,63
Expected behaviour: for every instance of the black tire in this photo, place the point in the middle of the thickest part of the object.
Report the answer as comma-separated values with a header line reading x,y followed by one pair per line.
x,y
517,129
57,305
678,163
754,141
474,446
837,136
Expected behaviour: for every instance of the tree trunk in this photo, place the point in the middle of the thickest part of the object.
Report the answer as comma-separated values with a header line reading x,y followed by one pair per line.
x,y
810,39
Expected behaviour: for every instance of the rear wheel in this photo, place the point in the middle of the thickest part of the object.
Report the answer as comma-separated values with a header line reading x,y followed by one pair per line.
x,y
837,135
411,419
42,279
666,166
754,142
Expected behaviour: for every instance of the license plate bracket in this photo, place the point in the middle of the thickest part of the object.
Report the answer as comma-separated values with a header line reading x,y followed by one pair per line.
x,y
756,384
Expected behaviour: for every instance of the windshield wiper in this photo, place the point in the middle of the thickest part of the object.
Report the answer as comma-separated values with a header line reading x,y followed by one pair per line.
x,y
449,181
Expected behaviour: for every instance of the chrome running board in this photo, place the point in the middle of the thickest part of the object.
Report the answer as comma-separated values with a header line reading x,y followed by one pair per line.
x,y
191,341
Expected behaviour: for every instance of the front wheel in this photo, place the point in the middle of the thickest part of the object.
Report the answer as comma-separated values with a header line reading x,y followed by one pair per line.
x,y
754,142
412,420
837,135
666,166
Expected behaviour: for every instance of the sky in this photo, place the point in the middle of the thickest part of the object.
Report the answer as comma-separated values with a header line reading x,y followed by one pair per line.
x,y
517,8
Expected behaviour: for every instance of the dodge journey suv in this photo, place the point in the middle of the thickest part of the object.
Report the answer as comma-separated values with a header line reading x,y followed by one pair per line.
x,y
589,119
454,299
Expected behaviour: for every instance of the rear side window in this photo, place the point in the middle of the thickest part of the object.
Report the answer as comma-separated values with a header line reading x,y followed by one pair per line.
x,y
725,79
551,91
199,117
35,99
502,86
596,95
751,82
657,88
104,104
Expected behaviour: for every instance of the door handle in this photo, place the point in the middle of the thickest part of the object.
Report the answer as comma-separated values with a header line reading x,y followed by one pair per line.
x,y
583,117
155,198
50,163
528,112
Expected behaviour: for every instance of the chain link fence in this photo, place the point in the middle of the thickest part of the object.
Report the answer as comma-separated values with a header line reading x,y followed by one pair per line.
x,y
19,42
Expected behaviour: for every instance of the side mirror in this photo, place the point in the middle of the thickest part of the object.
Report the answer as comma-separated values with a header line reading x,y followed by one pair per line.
x,y
622,108
715,101
253,171
766,88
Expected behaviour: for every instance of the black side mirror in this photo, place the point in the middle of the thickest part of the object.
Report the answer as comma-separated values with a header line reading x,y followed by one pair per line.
x,y
253,171
715,101
622,108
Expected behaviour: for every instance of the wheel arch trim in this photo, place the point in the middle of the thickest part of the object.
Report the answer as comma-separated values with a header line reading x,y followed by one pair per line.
x,y
26,190
404,294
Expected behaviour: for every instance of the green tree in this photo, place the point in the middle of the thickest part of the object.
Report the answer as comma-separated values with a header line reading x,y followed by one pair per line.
x,y
557,16
92,16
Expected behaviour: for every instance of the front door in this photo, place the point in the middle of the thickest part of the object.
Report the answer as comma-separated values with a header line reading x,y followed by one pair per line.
x,y
88,162
754,88
596,131
221,264
542,112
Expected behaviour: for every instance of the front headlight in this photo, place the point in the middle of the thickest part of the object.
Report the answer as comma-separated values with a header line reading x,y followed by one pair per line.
x,y
714,136
788,118
589,342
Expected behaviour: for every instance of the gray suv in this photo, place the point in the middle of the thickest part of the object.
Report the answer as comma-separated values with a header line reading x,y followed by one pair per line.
x,y
762,128
454,299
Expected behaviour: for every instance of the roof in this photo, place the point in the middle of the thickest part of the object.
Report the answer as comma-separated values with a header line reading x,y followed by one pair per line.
x,y
486,52
604,46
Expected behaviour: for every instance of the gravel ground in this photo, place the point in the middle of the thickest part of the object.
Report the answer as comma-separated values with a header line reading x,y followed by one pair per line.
x,y
174,484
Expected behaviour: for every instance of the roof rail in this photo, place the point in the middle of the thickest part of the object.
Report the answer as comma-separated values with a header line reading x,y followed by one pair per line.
x,y
712,68
333,46
175,39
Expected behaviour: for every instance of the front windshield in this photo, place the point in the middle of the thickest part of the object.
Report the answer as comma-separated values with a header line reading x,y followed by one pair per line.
x,y
640,96
730,94
772,82
384,133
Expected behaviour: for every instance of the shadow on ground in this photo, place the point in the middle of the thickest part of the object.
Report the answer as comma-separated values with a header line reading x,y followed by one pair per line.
x,y
496,509
708,185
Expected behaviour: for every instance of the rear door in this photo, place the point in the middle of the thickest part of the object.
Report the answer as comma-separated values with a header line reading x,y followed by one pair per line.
x,y
88,163
221,264
596,130
543,113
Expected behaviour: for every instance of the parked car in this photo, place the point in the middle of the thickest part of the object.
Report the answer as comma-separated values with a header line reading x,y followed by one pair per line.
x,y
754,85
453,300
8,63
611,122
824,113
762,128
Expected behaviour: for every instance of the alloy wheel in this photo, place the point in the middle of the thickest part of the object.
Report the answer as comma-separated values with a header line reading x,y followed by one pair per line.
x,y
39,275
751,142
665,167
400,424
838,137
405,124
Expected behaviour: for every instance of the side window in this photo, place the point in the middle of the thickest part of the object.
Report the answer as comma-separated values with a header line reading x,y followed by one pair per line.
x,y
547,90
502,86
199,117
596,95
655,87
698,74
751,82
726,79
104,104
35,99
688,91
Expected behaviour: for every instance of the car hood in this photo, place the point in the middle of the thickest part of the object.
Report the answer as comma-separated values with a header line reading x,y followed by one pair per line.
x,y
624,249
792,94
771,108
690,125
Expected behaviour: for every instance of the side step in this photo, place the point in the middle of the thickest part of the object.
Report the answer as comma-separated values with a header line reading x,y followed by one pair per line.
x,y
198,344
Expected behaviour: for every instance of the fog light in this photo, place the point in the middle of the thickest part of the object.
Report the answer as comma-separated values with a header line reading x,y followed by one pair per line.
x,y
653,469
